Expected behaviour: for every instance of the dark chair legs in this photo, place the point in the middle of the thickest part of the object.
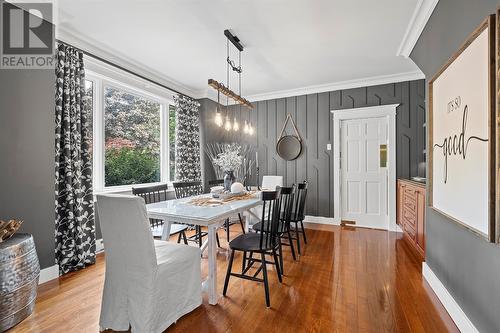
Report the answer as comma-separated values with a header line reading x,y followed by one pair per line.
x,y
290,241
182,235
241,223
227,228
228,273
198,232
217,238
244,262
280,254
264,273
277,264
297,236
303,232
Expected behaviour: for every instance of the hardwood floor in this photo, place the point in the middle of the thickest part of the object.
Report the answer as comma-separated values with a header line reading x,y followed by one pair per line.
x,y
347,280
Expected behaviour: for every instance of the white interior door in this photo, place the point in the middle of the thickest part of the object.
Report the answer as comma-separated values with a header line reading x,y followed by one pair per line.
x,y
363,177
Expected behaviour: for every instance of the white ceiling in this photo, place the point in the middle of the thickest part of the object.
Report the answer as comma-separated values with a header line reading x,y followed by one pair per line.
x,y
289,44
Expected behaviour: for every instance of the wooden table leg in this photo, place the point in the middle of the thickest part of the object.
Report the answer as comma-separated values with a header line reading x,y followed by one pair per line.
x,y
212,265
166,230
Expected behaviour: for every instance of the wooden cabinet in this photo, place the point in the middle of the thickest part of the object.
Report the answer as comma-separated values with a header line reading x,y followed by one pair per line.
x,y
411,213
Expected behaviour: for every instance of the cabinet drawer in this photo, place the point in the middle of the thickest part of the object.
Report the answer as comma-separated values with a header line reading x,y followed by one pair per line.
x,y
410,218
410,192
410,203
410,232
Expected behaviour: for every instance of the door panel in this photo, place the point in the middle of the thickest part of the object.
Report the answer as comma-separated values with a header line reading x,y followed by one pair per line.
x,y
363,180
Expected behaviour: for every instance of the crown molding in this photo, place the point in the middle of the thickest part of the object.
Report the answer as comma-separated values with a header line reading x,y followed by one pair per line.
x,y
349,84
92,46
421,15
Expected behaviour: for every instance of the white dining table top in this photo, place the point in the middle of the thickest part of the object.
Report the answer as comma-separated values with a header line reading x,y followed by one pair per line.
x,y
181,208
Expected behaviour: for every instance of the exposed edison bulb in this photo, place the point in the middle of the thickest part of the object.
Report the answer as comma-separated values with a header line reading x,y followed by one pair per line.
x,y
218,119
245,128
236,126
250,129
228,126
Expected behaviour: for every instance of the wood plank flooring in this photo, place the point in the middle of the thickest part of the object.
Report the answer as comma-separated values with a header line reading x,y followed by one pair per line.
x,y
347,280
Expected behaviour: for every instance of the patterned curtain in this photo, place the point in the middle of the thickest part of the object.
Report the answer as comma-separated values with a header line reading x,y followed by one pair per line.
x,y
75,228
187,139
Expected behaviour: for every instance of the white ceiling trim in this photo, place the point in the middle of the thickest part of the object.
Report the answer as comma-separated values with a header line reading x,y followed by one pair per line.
x,y
421,15
122,60
349,84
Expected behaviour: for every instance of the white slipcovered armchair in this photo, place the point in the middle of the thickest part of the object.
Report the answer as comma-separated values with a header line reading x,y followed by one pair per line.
x,y
149,284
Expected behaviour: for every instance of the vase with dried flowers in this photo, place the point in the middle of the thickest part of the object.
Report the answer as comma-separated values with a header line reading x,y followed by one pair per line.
x,y
229,161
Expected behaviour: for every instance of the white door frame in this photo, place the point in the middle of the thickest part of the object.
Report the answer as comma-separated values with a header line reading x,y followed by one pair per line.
x,y
388,111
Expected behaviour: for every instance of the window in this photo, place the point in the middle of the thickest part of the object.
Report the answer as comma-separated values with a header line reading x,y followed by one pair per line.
x,y
133,132
131,139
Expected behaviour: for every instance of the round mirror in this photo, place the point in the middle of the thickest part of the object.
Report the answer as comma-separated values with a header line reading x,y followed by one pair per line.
x,y
289,147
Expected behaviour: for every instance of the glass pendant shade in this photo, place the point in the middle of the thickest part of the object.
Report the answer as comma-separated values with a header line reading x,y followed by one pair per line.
x,y
236,126
218,119
228,126
250,129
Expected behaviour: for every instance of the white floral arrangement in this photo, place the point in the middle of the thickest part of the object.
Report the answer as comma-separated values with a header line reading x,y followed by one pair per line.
x,y
230,160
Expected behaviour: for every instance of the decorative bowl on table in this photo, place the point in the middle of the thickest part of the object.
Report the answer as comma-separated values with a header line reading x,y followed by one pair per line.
x,y
216,191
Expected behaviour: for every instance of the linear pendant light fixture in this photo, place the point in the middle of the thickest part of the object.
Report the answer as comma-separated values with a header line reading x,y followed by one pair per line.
x,y
226,91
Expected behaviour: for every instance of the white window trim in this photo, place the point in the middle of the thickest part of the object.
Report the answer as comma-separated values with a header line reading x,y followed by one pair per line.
x,y
102,77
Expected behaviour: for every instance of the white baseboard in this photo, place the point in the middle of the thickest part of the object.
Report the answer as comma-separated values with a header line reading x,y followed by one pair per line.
x,y
99,245
320,220
49,273
52,272
454,310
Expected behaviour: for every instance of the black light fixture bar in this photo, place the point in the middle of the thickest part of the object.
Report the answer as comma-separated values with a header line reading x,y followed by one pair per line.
x,y
233,39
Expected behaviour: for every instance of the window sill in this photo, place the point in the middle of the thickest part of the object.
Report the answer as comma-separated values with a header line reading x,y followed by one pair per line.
x,y
128,188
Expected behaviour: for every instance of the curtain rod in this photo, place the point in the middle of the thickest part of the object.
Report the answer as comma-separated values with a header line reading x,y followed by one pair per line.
x,y
123,69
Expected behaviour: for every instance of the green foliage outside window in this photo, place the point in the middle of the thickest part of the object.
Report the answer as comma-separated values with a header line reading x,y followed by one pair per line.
x,y
127,166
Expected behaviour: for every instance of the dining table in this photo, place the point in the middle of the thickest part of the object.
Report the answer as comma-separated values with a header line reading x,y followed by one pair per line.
x,y
211,215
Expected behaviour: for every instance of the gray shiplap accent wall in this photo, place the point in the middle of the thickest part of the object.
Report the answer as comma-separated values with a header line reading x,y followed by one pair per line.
x,y
466,264
315,122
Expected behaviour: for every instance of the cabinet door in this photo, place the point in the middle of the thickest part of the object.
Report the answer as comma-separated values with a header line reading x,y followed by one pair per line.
x,y
421,220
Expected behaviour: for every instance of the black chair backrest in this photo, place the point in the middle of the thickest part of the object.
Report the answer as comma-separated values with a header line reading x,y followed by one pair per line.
x,y
187,189
299,201
151,194
286,201
270,219
216,182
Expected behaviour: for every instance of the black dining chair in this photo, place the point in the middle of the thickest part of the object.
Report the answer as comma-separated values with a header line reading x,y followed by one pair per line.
x,y
157,193
284,230
189,189
228,222
264,243
297,216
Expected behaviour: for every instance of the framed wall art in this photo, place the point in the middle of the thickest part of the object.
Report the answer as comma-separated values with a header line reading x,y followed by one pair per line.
x,y
462,134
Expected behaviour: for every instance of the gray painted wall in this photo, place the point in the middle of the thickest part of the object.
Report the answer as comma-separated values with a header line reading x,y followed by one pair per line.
x,y
315,122
27,152
468,266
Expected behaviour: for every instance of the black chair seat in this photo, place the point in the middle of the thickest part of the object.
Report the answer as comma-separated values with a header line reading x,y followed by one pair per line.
x,y
175,228
248,242
258,227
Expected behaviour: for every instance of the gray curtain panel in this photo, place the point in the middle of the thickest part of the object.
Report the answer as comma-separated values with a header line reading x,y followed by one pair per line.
x,y
75,228
187,139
